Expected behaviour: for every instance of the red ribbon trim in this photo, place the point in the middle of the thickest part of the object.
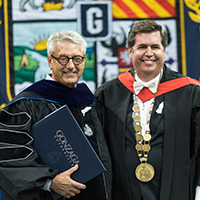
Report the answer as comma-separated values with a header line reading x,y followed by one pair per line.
x,y
127,80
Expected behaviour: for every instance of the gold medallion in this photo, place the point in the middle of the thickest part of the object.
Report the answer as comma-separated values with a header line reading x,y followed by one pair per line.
x,y
139,147
137,118
144,172
138,128
136,108
139,137
147,137
146,147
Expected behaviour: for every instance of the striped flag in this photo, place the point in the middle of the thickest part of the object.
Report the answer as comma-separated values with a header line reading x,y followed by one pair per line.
x,y
143,8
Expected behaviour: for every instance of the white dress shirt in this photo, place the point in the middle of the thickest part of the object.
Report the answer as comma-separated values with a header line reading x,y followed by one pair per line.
x,y
144,107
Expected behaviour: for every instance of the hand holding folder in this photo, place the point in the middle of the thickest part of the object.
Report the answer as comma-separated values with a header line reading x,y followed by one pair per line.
x,y
62,184
61,144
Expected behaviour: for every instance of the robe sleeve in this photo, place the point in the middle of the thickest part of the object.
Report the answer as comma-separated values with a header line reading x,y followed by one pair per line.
x,y
196,131
21,177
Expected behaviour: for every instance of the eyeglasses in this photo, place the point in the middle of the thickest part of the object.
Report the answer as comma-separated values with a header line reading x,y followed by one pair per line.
x,y
63,60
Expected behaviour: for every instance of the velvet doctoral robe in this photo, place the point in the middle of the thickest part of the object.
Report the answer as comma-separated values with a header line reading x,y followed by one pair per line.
x,y
21,177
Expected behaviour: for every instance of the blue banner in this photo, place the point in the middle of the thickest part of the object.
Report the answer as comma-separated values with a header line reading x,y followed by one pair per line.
x,y
190,38
94,20
5,72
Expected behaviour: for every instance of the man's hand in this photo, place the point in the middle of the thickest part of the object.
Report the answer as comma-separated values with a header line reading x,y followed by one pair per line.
x,y
65,186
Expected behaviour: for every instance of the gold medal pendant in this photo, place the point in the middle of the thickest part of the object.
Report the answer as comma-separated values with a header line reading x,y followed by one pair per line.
x,y
144,172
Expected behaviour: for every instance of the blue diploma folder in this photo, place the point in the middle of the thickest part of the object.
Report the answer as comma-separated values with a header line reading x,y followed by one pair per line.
x,y
61,144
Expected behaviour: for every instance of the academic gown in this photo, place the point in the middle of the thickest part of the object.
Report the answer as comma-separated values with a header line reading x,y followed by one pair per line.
x,y
180,122
21,177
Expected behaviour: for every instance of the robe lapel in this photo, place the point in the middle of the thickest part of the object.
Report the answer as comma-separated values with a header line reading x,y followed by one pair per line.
x,y
121,112
155,116
168,146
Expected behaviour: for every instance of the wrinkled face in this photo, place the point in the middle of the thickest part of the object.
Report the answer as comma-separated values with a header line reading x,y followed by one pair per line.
x,y
69,74
147,55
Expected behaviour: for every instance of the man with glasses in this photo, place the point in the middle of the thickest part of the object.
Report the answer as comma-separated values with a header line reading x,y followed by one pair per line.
x,y
21,177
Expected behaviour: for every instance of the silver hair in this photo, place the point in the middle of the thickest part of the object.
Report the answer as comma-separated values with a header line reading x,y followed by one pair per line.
x,y
68,35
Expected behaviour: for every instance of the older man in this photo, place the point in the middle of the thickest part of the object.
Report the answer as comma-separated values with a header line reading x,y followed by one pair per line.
x,y
21,177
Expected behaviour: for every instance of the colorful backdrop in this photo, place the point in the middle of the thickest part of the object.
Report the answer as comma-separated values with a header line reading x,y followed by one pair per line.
x,y
25,26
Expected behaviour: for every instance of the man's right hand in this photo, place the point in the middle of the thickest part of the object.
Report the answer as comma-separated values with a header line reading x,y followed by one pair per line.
x,y
65,186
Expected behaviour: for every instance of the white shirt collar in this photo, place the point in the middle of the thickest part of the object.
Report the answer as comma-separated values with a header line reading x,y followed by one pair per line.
x,y
49,77
152,84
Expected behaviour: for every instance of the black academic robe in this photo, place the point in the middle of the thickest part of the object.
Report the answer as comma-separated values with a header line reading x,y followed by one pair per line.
x,y
21,177
180,122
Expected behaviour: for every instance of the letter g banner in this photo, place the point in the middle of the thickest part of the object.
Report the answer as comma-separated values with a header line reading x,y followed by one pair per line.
x,y
94,20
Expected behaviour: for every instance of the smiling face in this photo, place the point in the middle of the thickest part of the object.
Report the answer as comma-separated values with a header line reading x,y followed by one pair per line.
x,y
147,55
69,74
